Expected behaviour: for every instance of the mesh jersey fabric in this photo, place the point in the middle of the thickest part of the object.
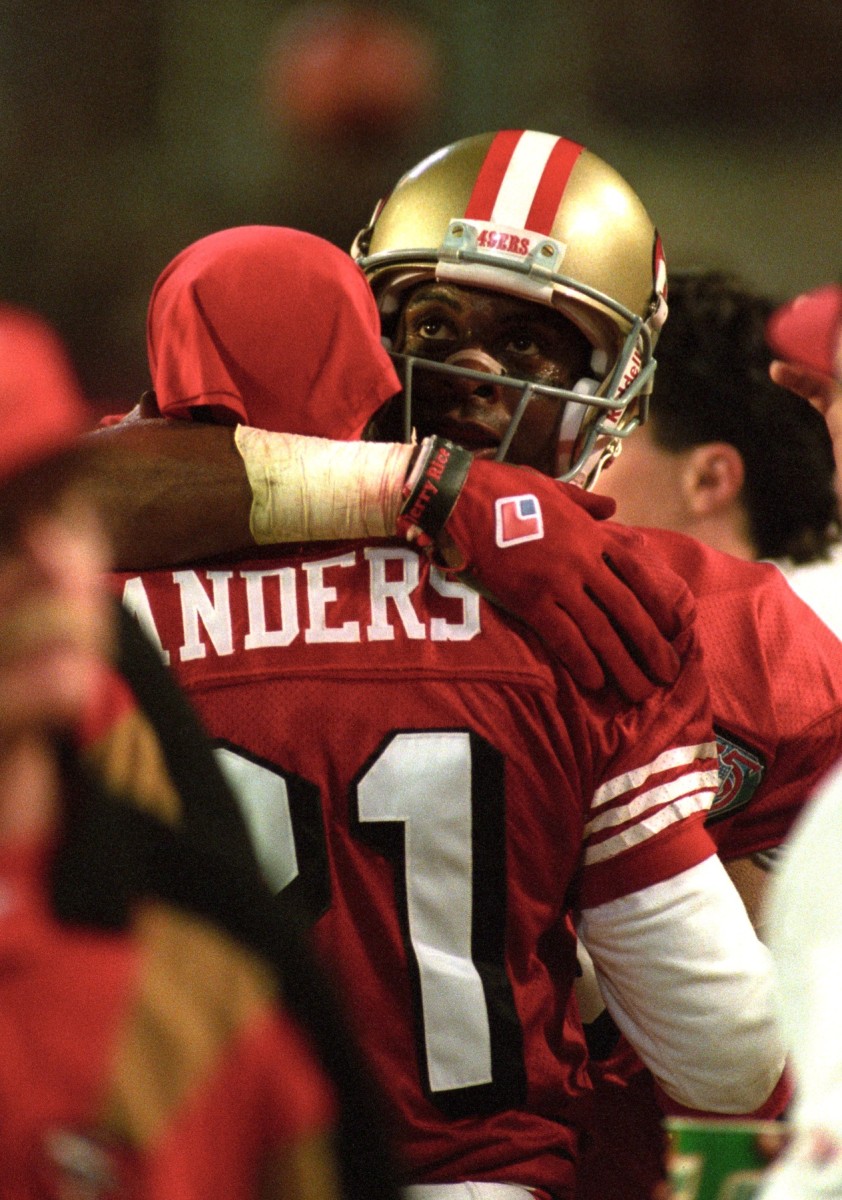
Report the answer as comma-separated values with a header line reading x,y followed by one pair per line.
x,y
445,796
142,743
775,672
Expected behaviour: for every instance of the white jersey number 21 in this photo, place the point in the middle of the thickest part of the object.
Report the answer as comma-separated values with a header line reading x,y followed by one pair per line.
x,y
433,800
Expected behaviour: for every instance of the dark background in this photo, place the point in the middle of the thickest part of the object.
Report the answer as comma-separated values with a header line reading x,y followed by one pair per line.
x,y
129,128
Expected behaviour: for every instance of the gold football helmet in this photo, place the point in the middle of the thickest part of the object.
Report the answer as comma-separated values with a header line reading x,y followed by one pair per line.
x,y
542,218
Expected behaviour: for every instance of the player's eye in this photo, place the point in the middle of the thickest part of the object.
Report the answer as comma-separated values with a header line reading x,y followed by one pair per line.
x,y
434,329
523,343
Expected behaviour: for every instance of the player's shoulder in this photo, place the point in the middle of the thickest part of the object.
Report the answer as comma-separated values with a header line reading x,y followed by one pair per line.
x,y
748,603
708,571
819,584
773,667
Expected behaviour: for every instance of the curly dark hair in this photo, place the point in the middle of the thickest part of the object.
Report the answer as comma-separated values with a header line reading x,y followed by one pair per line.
x,y
712,385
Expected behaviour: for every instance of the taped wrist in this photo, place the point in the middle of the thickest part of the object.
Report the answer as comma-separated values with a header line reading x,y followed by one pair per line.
x,y
312,489
432,489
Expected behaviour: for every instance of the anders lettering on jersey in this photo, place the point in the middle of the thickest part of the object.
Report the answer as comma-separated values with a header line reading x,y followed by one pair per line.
x,y
366,595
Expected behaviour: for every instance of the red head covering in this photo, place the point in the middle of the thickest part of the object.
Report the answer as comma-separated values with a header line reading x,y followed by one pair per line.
x,y
41,406
270,327
808,330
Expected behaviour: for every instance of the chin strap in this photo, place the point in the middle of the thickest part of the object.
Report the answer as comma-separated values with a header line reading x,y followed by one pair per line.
x,y
596,464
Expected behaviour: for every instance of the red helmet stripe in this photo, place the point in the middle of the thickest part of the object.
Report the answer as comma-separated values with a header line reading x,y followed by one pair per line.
x,y
491,175
551,186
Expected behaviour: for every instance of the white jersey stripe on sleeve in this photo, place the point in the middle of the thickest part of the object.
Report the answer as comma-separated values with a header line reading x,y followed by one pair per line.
x,y
679,756
653,798
523,175
641,831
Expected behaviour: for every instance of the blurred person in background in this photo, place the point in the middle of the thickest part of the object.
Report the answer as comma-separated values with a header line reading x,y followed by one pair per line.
x,y
804,907
145,1053
803,927
805,335
726,456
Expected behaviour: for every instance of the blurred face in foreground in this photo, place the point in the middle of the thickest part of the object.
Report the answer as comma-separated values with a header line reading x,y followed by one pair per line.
x,y
54,608
495,334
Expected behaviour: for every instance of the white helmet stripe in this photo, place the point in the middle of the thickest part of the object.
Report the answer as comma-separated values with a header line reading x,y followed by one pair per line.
x,y
522,177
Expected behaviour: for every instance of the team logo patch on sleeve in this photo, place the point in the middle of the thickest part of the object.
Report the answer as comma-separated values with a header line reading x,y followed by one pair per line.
x,y
519,519
741,770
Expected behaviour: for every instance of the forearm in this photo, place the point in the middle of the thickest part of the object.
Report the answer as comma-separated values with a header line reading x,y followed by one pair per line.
x,y
691,987
175,491
312,489
170,492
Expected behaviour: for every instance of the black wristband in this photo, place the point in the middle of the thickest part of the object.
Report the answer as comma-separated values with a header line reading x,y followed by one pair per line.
x,y
434,486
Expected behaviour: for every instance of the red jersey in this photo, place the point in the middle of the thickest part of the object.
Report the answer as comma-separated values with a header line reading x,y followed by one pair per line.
x,y
442,796
775,673
150,1063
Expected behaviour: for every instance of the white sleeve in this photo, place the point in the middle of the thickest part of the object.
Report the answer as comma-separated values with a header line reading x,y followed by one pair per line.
x,y
692,988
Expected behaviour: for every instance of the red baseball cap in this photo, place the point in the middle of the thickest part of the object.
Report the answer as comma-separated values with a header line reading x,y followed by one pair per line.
x,y
808,330
42,409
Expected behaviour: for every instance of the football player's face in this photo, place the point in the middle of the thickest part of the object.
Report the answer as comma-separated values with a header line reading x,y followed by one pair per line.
x,y
497,334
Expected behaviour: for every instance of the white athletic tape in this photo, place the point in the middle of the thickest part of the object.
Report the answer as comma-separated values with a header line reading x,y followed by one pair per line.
x,y
312,489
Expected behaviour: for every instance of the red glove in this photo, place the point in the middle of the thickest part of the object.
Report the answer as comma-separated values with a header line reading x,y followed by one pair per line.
x,y
542,550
